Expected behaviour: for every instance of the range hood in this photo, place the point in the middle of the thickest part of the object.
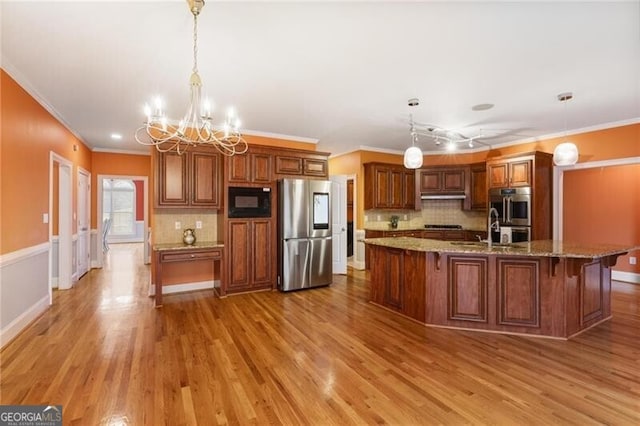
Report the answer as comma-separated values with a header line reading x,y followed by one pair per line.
x,y
449,196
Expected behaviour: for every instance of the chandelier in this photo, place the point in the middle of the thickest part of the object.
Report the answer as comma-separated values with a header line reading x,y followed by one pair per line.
x,y
566,153
196,127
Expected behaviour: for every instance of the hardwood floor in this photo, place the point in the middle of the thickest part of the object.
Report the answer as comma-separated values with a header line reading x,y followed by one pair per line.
x,y
322,356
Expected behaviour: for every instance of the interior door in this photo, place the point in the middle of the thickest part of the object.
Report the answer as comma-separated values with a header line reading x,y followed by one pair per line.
x,y
84,234
339,223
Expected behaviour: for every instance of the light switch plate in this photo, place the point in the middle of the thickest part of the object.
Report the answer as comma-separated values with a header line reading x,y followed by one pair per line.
x,y
178,225
198,224
45,217
632,260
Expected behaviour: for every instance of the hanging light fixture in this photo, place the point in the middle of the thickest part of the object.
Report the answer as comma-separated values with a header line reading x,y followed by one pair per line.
x,y
196,127
566,153
413,155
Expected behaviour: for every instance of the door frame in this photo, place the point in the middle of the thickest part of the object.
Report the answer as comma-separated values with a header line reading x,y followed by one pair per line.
x,y
82,171
65,223
147,234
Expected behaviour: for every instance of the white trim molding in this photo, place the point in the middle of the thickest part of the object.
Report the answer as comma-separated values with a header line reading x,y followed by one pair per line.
x,y
628,277
19,255
16,326
186,287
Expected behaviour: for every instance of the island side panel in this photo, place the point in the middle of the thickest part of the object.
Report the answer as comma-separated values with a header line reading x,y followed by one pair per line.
x,y
398,280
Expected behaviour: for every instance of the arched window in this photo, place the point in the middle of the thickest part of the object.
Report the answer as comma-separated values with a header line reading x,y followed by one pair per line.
x,y
119,205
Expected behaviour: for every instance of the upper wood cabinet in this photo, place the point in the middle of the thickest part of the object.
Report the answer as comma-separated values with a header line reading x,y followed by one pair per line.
x,y
442,180
296,164
250,167
190,180
477,196
509,173
388,186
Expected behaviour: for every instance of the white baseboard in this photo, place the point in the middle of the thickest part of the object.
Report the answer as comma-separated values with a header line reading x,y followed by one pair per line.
x,y
95,264
357,264
182,288
628,277
54,282
20,323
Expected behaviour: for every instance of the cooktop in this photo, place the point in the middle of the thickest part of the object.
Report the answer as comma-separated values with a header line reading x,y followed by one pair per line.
x,y
443,226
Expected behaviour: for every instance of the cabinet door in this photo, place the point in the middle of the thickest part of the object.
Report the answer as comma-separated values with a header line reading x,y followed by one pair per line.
x,y
315,167
410,190
172,185
239,168
205,185
381,187
520,173
288,165
262,255
396,196
498,175
478,187
452,180
433,235
261,167
430,181
239,250
394,279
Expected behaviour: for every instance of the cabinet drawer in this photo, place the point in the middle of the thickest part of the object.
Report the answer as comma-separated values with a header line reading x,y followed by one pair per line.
x,y
190,255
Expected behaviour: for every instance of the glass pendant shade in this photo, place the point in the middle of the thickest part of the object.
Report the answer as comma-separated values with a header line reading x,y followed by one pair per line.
x,y
413,158
565,154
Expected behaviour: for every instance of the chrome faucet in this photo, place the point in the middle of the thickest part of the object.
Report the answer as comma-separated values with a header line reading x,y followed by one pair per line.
x,y
495,225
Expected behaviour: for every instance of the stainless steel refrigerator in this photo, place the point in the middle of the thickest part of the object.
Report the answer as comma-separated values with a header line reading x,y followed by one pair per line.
x,y
304,234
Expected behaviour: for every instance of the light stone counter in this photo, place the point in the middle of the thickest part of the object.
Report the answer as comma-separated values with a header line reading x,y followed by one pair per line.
x,y
541,248
182,246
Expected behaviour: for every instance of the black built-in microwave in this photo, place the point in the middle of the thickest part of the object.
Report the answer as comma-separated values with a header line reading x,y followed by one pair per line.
x,y
249,202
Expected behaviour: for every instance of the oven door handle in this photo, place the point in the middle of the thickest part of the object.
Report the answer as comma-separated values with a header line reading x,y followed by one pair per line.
x,y
504,209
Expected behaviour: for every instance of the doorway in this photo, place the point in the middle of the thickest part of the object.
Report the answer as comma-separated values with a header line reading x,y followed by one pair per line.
x,y
126,225
60,224
84,222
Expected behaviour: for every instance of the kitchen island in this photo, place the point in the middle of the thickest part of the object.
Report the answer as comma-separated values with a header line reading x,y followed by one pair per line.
x,y
542,288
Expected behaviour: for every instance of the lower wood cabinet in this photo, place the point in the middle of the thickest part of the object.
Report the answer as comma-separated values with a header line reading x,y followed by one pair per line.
x,y
399,281
250,262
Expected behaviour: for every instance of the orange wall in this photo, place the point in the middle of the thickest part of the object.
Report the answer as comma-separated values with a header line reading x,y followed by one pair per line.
x,y
28,134
106,163
602,205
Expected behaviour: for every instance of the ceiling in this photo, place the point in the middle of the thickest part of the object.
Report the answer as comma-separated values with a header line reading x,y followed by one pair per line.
x,y
337,73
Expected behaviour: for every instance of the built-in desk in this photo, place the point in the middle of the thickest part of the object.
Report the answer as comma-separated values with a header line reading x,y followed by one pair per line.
x,y
178,252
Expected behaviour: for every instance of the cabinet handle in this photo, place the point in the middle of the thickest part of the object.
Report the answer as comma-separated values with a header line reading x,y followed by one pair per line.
x,y
193,255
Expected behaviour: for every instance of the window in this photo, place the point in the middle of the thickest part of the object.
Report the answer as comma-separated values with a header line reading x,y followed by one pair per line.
x,y
119,205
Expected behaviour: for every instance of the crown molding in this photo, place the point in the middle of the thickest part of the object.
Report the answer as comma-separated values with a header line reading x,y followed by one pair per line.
x,y
280,136
120,151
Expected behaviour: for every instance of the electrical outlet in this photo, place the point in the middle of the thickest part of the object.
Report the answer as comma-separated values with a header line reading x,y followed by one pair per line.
x,y
198,224
178,225
405,217
632,260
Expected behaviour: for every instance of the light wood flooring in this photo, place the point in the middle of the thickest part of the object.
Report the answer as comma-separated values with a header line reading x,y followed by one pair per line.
x,y
321,356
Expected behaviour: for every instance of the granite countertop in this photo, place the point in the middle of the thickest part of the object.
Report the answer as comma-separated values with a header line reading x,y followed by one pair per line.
x,y
540,248
182,246
416,228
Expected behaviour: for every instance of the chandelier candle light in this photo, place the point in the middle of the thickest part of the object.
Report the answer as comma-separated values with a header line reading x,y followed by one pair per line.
x,y
195,128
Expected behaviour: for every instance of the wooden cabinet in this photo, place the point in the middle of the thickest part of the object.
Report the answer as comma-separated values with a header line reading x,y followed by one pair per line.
x,y
250,168
509,173
436,181
251,253
533,169
190,180
301,165
477,196
398,280
389,186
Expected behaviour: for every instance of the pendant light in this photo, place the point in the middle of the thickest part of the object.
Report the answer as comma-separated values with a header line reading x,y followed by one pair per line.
x,y
413,155
566,153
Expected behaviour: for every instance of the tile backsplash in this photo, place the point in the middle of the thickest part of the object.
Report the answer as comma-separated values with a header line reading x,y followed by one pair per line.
x,y
164,229
434,212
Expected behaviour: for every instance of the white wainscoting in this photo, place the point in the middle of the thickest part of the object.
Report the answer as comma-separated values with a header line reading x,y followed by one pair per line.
x,y
95,243
24,291
628,277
